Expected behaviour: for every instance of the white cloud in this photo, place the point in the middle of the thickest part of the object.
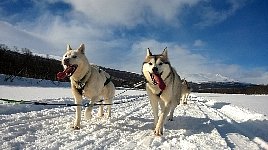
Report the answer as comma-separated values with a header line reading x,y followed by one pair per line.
x,y
105,13
211,16
199,43
13,36
131,12
254,75
91,21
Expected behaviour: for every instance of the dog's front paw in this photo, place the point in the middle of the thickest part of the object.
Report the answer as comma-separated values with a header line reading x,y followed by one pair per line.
x,y
158,132
170,118
76,127
100,115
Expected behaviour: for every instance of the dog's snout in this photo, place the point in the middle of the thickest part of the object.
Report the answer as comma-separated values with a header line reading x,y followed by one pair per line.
x,y
155,69
66,61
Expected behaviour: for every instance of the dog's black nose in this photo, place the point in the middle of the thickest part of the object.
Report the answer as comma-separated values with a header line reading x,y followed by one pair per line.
x,y
66,61
155,69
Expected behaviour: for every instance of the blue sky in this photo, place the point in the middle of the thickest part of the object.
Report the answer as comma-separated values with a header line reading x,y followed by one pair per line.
x,y
207,40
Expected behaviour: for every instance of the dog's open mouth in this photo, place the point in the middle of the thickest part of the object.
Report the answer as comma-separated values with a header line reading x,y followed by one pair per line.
x,y
156,77
157,80
69,70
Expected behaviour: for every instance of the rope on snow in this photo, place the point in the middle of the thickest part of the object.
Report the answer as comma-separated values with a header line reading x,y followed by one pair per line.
x,y
85,104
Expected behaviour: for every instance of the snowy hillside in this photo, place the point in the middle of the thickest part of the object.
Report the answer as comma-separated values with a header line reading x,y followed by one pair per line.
x,y
204,123
208,77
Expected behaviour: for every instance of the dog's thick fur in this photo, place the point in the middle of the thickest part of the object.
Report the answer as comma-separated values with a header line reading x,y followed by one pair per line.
x,y
88,81
169,98
185,91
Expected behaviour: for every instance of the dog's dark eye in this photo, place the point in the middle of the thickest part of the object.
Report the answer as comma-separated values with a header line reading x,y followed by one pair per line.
x,y
160,64
65,56
150,63
74,56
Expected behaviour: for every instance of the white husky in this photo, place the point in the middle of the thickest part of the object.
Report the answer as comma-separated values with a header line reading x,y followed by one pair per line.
x,y
163,87
86,80
185,91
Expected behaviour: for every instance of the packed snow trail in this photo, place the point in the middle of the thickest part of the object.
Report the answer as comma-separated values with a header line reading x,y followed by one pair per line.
x,y
200,124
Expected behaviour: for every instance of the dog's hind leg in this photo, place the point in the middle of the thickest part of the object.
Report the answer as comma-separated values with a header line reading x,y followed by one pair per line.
x,y
186,98
173,106
100,112
182,98
109,107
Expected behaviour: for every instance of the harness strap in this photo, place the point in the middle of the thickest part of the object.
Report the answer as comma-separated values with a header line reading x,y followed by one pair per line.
x,y
108,80
80,91
81,85
159,93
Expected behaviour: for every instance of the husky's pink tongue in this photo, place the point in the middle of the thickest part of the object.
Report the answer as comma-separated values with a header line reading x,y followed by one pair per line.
x,y
61,75
68,71
159,81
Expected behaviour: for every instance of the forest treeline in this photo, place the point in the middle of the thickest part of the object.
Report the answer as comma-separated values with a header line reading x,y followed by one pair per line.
x,y
15,62
23,63
229,88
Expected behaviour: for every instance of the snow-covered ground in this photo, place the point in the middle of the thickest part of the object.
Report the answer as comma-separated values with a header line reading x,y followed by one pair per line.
x,y
256,103
208,121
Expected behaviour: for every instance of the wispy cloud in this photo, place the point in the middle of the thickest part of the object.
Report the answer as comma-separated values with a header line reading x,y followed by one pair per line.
x,y
13,36
198,43
130,13
210,15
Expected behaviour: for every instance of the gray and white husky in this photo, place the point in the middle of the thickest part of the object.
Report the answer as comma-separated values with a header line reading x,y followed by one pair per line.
x,y
86,80
185,91
163,87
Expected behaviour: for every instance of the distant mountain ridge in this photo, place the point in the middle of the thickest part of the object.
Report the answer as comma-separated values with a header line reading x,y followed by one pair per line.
x,y
208,77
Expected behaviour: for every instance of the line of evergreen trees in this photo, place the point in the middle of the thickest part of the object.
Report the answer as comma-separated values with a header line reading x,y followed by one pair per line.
x,y
26,64
252,89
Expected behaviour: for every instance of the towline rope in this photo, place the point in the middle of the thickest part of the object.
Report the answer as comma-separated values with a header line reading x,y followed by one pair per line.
x,y
69,105
65,104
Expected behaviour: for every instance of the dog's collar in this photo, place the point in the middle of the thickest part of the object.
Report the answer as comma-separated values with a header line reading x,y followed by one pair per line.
x,y
82,83
168,75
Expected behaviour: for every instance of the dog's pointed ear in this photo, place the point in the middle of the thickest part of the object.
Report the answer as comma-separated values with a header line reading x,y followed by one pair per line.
x,y
149,52
164,53
81,49
69,47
